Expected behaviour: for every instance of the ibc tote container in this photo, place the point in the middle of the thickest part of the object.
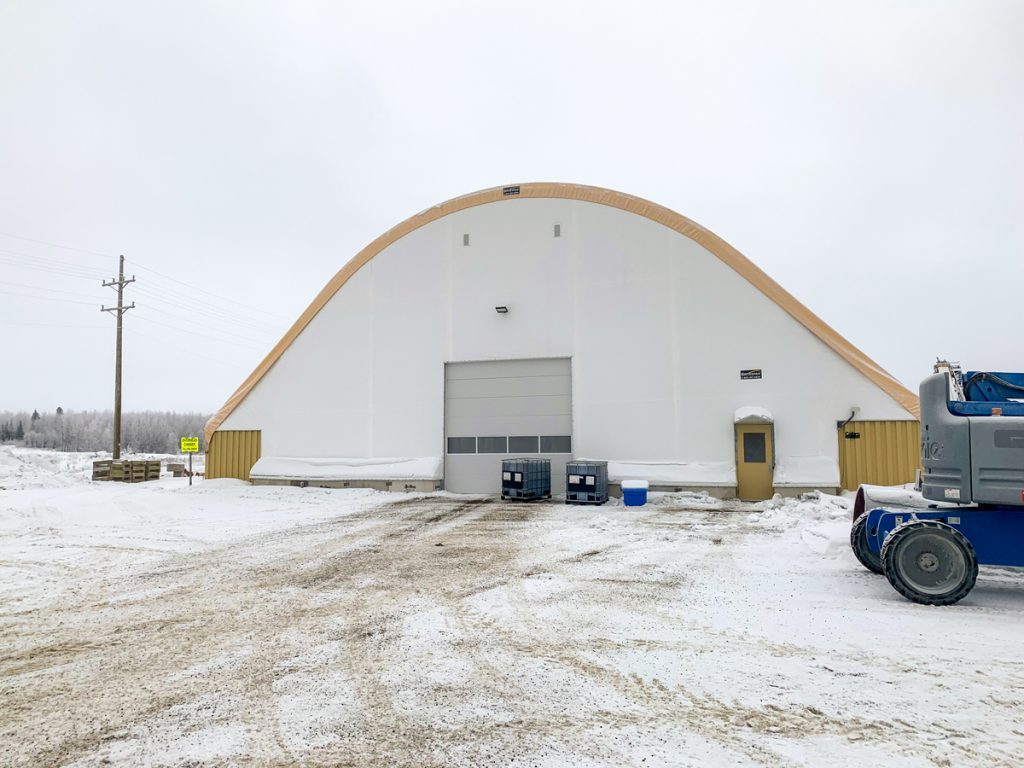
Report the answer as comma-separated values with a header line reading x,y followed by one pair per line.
x,y
586,482
526,479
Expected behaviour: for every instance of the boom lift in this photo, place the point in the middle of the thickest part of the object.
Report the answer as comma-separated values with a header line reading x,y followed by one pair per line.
x,y
972,455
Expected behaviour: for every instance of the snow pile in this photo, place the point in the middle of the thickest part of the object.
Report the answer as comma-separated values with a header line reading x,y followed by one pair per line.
x,y
22,468
780,512
806,471
686,499
821,521
679,500
752,414
331,468
713,473
28,468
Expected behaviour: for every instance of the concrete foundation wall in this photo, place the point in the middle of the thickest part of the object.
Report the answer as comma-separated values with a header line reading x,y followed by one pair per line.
x,y
398,486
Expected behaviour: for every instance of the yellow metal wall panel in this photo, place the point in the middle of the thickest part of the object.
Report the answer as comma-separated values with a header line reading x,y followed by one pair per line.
x,y
232,453
885,453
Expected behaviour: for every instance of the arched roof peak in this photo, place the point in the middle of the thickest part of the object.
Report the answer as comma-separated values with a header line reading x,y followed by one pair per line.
x,y
600,196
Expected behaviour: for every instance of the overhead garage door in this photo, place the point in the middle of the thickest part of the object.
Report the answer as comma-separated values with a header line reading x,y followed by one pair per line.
x,y
500,409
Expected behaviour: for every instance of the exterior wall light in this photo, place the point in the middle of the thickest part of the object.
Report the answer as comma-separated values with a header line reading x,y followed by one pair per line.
x,y
501,310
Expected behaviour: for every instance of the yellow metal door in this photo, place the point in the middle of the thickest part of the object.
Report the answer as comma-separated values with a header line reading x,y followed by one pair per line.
x,y
754,461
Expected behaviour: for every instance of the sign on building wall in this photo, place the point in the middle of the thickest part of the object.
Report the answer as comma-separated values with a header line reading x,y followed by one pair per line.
x,y
750,373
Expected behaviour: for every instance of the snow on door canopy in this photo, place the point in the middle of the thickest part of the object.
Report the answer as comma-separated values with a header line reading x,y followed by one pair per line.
x,y
753,414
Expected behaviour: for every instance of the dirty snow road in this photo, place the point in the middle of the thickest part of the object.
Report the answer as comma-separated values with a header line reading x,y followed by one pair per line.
x,y
456,631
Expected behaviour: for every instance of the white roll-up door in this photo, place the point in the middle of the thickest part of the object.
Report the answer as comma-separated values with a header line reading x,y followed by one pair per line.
x,y
500,409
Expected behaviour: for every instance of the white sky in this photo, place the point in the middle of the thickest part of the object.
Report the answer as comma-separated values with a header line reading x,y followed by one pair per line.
x,y
869,156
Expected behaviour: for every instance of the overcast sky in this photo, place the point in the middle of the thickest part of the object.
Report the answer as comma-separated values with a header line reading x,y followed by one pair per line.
x,y
869,156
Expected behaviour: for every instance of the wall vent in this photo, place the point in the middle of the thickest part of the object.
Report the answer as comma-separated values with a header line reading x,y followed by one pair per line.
x,y
465,239
558,230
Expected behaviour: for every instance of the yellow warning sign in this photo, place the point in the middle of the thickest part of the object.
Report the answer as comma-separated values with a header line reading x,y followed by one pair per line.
x,y
190,445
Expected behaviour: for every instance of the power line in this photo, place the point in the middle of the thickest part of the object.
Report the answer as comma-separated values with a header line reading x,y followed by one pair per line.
x,y
201,323
199,306
196,306
47,298
209,321
208,293
196,333
56,325
53,262
43,288
137,265
56,245
56,266
24,261
255,343
63,273
189,350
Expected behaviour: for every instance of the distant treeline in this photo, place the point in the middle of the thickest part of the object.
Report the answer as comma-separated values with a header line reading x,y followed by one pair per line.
x,y
141,431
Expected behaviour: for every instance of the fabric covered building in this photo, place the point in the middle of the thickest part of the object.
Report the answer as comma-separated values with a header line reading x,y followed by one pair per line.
x,y
561,321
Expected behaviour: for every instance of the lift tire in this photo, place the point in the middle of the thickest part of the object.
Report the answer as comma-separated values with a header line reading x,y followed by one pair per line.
x,y
859,544
929,562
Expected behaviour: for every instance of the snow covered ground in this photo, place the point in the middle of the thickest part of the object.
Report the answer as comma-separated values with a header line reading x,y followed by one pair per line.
x,y
157,624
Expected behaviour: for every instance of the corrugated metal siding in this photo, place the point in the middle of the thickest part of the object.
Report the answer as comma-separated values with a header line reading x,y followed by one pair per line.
x,y
886,453
232,453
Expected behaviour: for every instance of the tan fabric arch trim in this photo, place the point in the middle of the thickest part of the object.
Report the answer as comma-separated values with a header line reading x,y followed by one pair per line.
x,y
639,206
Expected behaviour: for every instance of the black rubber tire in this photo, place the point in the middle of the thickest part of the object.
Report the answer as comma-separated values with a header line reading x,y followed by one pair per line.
x,y
941,550
859,545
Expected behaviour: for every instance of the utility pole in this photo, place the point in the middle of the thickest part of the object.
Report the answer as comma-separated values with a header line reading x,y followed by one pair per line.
x,y
120,309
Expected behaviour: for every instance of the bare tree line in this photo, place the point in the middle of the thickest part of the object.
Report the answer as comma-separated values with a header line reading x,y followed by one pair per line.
x,y
141,431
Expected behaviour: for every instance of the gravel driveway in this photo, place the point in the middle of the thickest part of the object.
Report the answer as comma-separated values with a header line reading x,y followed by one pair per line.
x,y
445,630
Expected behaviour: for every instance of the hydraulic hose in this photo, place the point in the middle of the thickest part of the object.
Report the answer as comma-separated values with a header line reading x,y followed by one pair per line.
x,y
985,376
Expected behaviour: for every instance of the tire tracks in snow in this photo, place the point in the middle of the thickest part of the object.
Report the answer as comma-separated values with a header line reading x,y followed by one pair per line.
x,y
113,665
430,631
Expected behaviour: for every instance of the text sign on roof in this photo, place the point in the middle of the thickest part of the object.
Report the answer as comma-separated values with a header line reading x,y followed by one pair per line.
x,y
751,373
190,445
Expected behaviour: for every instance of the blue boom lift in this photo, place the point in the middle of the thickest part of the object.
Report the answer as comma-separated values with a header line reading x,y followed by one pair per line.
x,y
972,455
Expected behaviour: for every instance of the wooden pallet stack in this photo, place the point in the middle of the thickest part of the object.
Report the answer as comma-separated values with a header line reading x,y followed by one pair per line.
x,y
126,471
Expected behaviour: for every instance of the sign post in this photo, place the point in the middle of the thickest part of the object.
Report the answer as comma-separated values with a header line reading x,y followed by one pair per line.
x,y
190,445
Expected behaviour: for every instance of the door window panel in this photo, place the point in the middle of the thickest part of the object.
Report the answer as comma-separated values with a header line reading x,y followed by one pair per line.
x,y
754,448
523,444
556,444
492,444
461,445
